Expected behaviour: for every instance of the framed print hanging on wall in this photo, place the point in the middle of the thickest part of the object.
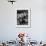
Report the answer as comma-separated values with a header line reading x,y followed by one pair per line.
x,y
23,17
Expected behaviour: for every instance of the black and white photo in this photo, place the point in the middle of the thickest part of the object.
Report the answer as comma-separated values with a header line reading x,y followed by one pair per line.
x,y
22,17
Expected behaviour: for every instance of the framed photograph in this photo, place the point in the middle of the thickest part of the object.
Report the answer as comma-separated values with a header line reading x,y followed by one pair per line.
x,y
23,17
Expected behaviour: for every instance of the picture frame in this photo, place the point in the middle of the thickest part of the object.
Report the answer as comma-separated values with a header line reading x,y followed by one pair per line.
x,y
23,18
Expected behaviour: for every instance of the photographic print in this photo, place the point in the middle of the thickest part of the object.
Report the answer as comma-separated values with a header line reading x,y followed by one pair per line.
x,y
23,18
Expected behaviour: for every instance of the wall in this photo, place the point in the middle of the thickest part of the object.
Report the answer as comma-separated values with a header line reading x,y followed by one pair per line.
x,y
8,28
